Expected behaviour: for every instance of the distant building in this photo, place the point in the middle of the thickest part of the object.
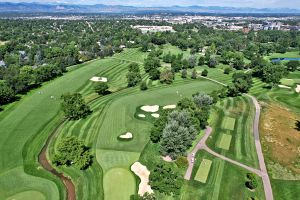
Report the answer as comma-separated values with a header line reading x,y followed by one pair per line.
x,y
146,29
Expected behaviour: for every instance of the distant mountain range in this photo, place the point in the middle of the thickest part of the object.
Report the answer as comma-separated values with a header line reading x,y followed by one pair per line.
x,y
7,7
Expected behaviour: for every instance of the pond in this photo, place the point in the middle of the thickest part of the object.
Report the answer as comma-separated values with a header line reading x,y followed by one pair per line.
x,y
284,59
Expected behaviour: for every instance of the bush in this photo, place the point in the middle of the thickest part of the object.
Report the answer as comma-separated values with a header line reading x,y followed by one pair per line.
x,y
204,73
143,86
227,70
182,162
166,77
194,74
184,73
252,182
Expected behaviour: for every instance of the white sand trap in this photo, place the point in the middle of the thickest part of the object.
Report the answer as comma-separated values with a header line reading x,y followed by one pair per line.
x,y
298,89
155,115
99,79
143,173
167,158
127,135
284,86
142,115
152,109
169,107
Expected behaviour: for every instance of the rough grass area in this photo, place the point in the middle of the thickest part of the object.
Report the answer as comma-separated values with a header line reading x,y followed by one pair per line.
x,y
280,139
119,184
228,123
203,171
28,195
225,141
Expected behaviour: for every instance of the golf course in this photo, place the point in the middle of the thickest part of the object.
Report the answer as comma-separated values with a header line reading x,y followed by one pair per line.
x,y
27,124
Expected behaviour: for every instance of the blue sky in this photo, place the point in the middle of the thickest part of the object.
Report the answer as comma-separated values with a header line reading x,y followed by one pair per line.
x,y
231,3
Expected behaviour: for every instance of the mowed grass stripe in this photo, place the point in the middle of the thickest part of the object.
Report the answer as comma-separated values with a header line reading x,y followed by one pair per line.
x,y
225,141
203,171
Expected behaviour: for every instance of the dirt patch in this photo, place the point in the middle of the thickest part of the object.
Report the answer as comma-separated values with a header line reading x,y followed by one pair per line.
x,y
280,138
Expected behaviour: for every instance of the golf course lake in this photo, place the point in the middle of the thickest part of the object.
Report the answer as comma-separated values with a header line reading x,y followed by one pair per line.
x,y
284,59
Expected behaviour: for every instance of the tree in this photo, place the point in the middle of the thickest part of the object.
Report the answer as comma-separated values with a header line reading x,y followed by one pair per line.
x,y
133,75
154,74
227,70
72,151
201,60
74,106
252,181
202,100
212,62
178,134
158,127
144,86
292,65
242,81
101,88
192,61
204,73
194,74
6,94
165,180
184,73
273,74
166,77
151,63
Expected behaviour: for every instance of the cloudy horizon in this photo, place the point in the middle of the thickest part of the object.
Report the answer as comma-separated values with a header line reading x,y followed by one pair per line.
x,y
152,3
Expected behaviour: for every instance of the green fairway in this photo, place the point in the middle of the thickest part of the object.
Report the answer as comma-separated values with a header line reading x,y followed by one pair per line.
x,y
119,184
228,123
287,82
28,195
203,171
225,141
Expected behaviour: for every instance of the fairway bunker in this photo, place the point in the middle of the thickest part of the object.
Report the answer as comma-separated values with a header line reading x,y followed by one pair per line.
x,y
155,115
143,173
298,89
151,109
141,115
126,136
284,86
99,79
169,107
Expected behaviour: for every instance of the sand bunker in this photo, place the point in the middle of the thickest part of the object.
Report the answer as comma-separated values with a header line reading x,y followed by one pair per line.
x,y
152,109
298,89
284,86
127,135
155,115
142,115
99,79
143,173
169,107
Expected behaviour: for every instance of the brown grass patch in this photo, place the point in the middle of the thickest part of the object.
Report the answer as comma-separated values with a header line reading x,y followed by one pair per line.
x,y
280,139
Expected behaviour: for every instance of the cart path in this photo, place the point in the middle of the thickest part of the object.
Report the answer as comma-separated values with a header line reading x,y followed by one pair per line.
x,y
262,172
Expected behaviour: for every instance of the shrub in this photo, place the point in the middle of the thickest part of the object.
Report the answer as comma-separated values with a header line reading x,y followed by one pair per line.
x,y
204,73
182,162
143,86
101,88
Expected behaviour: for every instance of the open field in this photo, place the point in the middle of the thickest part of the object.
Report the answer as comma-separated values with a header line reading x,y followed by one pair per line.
x,y
291,54
225,142
241,148
203,171
225,182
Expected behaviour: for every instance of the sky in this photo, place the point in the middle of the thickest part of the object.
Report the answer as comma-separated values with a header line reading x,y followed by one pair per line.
x,y
150,3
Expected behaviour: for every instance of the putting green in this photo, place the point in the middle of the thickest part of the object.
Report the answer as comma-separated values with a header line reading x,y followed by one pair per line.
x,y
228,123
119,184
28,195
203,171
225,141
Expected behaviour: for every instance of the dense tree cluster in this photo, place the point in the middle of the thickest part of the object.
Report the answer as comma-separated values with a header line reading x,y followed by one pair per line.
x,y
166,180
74,106
71,151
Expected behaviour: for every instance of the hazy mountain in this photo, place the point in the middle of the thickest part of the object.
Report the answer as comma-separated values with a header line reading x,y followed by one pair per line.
x,y
100,8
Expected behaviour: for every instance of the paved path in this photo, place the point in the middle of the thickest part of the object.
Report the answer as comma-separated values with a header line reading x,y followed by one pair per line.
x,y
262,165
263,173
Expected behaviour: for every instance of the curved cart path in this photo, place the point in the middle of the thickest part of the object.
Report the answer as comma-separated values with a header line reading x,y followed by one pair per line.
x,y
262,172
